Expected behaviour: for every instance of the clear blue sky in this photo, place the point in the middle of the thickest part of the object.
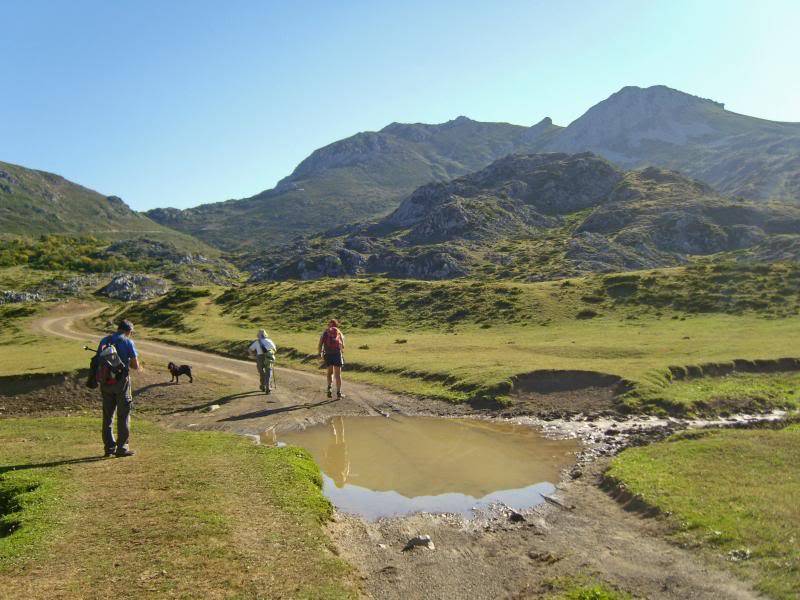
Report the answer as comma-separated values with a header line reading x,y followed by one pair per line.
x,y
178,103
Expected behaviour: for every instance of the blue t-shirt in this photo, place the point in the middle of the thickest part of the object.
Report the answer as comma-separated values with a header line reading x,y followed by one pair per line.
x,y
126,349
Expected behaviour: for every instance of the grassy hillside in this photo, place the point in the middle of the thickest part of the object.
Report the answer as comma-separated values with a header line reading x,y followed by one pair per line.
x,y
193,514
465,339
31,264
34,203
731,493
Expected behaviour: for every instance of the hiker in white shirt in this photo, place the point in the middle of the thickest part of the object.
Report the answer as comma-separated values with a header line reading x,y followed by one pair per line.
x,y
264,350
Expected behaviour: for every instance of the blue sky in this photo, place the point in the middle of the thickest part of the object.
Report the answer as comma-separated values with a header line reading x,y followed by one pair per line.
x,y
185,102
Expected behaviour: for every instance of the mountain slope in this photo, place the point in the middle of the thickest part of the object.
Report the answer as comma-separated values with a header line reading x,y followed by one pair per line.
x,y
542,216
737,154
362,176
36,202
366,175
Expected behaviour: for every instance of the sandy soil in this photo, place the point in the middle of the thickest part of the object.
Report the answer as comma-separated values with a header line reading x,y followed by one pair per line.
x,y
487,557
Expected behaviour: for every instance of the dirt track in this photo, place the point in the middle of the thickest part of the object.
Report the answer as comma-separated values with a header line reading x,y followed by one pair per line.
x,y
298,401
490,558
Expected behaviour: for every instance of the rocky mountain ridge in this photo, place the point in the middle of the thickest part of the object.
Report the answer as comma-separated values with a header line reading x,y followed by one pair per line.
x,y
540,216
361,176
367,175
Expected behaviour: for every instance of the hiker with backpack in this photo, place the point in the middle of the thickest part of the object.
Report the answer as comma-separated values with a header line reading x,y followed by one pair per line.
x,y
331,347
116,356
264,350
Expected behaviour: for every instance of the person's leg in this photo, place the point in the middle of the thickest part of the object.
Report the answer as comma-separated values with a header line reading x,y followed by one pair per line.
x,y
124,402
109,408
330,379
267,376
338,372
261,375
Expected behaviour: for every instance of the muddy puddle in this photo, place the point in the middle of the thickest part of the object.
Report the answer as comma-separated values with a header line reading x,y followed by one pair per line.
x,y
379,467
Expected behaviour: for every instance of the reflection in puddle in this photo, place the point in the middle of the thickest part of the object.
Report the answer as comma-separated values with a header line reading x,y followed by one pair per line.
x,y
377,467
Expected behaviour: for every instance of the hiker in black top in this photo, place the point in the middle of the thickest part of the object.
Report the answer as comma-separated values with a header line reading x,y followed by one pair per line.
x,y
264,350
331,347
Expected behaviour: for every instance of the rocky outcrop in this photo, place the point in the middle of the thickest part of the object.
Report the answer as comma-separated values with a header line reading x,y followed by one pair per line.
x,y
15,297
534,185
134,287
434,263
595,253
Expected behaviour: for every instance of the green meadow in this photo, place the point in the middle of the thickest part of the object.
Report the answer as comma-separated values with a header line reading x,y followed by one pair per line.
x,y
733,493
461,340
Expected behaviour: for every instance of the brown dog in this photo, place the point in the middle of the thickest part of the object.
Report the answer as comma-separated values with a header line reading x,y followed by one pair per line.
x,y
177,371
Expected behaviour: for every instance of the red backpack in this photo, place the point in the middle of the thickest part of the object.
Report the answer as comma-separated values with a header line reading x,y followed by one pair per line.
x,y
332,340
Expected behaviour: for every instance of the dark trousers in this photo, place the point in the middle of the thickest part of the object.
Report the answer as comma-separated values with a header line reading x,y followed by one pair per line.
x,y
117,400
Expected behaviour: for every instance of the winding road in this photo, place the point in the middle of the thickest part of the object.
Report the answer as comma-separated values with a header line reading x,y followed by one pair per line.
x,y
298,401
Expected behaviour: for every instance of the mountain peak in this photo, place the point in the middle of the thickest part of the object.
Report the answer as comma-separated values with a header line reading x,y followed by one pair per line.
x,y
660,94
634,117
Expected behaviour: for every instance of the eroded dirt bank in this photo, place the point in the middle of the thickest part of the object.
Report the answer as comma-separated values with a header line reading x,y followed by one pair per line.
x,y
584,532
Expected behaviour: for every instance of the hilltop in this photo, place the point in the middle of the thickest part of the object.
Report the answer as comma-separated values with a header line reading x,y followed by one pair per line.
x,y
367,175
34,203
542,216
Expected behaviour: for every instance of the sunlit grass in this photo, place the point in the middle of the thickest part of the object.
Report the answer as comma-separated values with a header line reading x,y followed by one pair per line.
x,y
734,492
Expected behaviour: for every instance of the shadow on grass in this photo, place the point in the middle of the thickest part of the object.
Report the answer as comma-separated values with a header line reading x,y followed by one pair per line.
x,y
274,411
141,390
55,463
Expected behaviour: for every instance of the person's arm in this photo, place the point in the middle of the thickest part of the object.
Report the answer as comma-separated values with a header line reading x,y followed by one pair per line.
x,y
319,347
341,335
251,350
134,362
273,346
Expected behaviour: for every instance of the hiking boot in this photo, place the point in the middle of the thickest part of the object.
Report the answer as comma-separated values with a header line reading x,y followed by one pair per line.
x,y
330,393
262,388
339,395
268,391
110,453
124,452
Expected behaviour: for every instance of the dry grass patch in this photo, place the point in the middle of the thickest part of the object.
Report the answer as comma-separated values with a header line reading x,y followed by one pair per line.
x,y
191,515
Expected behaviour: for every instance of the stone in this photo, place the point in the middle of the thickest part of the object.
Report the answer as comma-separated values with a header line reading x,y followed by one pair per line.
x,y
516,517
15,297
424,541
129,287
543,556
739,554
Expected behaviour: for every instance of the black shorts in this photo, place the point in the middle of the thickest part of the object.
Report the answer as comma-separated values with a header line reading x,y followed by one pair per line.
x,y
334,359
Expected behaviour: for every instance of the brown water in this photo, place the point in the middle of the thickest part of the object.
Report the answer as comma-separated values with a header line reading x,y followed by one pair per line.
x,y
376,466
